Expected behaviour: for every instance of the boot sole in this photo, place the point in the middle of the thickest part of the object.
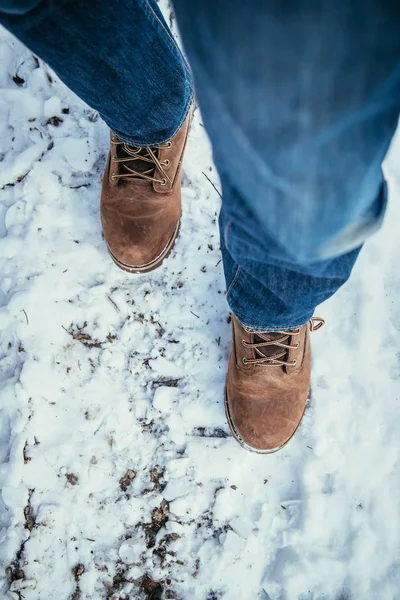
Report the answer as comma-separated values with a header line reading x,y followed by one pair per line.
x,y
246,446
152,265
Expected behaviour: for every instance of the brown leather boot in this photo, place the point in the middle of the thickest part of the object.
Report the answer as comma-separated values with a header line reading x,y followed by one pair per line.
x,y
268,385
141,201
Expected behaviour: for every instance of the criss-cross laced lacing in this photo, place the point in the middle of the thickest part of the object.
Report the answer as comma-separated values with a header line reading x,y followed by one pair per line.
x,y
282,342
135,156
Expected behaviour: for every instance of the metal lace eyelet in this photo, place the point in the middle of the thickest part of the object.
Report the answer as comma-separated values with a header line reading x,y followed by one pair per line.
x,y
163,181
166,162
294,362
169,144
244,361
297,344
244,343
113,177
114,157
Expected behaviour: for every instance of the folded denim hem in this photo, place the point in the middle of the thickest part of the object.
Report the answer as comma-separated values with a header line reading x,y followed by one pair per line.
x,y
132,142
265,328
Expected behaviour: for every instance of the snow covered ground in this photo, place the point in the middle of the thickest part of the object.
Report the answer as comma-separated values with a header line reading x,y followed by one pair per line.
x,y
119,478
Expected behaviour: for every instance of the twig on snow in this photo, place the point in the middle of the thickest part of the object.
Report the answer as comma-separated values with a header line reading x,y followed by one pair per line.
x,y
113,303
214,186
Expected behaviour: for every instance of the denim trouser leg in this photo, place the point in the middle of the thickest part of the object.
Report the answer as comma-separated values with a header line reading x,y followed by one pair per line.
x,y
300,99
119,57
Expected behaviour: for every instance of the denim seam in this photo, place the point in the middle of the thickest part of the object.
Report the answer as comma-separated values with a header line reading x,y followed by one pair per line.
x,y
226,232
172,43
236,277
228,227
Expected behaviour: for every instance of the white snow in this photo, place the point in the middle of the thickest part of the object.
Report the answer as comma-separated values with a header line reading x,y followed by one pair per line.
x,y
201,519
165,398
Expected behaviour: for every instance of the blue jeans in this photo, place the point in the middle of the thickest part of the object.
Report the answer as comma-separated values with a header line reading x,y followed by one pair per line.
x,y
300,99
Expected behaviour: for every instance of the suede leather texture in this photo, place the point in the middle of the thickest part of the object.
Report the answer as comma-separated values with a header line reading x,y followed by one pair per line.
x,y
140,217
266,403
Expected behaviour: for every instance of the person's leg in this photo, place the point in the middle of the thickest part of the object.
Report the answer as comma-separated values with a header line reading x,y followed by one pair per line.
x,y
123,61
300,99
120,58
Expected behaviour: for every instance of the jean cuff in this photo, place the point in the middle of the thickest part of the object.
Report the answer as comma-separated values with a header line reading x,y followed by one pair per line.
x,y
132,142
292,326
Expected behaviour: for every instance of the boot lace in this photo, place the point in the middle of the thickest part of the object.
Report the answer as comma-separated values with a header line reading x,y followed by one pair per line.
x,y
282,342
133,161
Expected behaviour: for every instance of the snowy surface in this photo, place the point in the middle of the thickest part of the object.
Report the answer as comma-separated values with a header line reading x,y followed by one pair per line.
x,y
118,476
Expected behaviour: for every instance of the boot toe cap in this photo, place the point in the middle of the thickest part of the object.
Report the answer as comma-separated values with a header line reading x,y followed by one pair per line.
x,y
141,253
263,429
